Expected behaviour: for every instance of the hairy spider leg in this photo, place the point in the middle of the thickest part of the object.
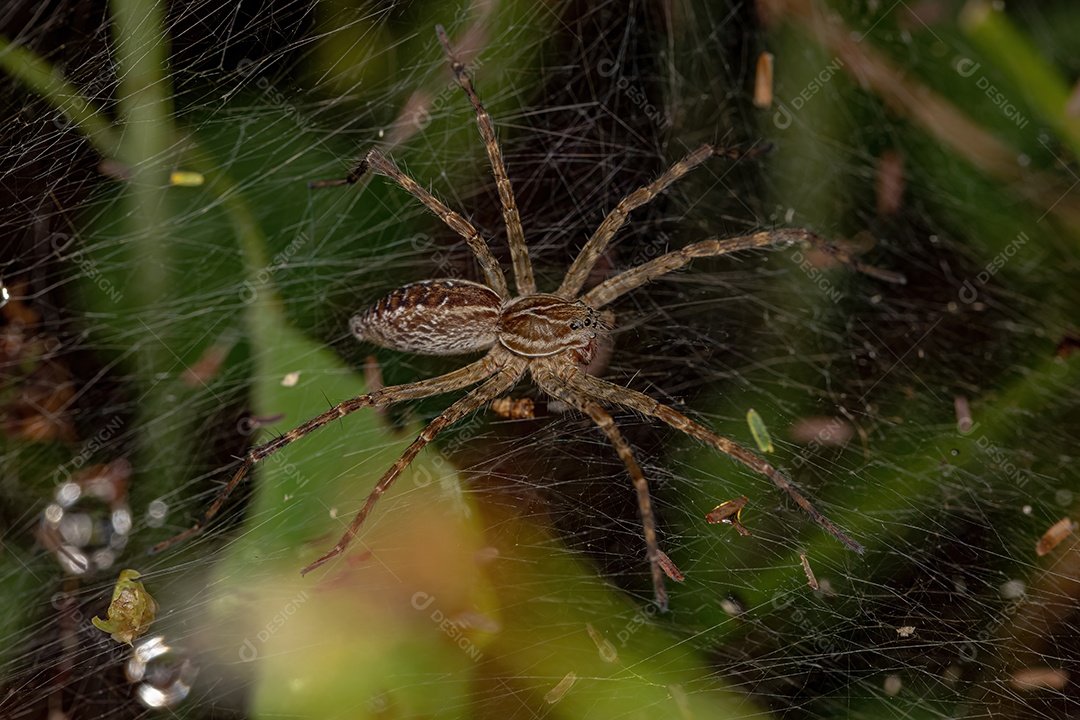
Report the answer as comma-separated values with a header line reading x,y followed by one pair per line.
x,y
624,282
375,160
499,383
454,380
595,389
519,251
598,243
552,385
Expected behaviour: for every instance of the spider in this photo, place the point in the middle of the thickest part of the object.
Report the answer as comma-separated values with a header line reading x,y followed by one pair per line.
x,y
550,336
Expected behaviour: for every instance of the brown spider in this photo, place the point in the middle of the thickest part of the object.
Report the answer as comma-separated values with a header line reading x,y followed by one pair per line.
x,y
552,336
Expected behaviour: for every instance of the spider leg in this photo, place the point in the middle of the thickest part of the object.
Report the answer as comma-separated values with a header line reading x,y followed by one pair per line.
x,y
455,380
495,386
626,281
519,251
551,385
597,244
600,390
375,160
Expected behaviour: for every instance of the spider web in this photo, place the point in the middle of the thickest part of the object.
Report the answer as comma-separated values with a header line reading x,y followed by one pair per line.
x,y
159,328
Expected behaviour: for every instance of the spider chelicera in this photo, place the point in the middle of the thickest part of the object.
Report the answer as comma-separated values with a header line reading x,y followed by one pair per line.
x,y
550,336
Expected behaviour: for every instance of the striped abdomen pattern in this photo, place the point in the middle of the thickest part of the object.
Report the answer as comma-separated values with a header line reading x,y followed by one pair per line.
x,y
435,317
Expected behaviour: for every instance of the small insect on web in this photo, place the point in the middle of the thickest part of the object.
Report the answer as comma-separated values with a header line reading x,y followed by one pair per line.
x,y
550,336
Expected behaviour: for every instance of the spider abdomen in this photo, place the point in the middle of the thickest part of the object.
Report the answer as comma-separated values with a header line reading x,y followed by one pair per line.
x,y
434,317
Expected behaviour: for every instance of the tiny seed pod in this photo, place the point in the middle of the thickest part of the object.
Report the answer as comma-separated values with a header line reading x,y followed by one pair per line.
x,y
759,431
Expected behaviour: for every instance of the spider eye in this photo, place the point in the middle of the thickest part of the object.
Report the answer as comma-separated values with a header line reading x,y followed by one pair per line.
x,y
588,322
574,325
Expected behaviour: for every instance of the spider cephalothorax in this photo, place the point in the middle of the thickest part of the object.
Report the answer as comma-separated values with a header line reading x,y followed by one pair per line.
x,y
542,325
550,336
